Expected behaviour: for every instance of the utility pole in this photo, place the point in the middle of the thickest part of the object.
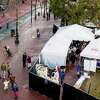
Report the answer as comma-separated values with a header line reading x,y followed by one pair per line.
x,y
17,35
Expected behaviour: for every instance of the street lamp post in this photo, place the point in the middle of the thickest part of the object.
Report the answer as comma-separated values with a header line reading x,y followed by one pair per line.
x,y
17,35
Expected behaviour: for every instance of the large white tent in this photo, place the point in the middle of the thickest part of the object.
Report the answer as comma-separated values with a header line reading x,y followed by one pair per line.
x,y
55,51
92,50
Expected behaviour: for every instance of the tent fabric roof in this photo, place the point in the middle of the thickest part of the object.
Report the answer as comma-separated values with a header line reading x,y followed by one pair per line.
x,y
90,24
97,32
55,51
76,32
92,50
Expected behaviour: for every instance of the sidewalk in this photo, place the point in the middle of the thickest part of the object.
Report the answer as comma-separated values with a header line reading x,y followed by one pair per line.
x,y
10,15
33,47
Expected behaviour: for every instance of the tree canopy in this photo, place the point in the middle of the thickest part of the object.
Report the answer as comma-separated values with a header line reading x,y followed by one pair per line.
x,y
78,11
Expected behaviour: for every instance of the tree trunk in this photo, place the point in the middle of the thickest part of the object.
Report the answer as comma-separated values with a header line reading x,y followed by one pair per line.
x,y
66,22
62,22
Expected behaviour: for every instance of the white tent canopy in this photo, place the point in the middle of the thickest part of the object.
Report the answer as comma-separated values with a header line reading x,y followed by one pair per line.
x,y
97,32
76,32
55,51
90,24
92,50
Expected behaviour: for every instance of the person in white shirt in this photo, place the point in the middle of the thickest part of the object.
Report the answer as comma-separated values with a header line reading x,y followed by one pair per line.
x,y
6,84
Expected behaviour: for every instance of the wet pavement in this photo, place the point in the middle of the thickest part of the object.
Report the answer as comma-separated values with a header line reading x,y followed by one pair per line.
x,y
33,47
10,14
24,15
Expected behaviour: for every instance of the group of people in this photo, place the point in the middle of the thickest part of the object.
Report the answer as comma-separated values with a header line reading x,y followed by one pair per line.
x,y
59,72
73,57
8,79
26,60
74,52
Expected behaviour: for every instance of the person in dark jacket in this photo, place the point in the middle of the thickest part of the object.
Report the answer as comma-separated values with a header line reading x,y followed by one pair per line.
x,y
15,89
38,33
24,59
28,61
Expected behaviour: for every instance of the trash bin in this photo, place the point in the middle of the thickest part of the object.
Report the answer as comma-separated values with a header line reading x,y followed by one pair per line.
x,y
23,1
12,32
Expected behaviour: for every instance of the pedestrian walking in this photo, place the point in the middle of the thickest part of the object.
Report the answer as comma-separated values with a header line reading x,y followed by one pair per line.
x,y
61,76
8,68
28,62
38,33
7,25
24,59
12,78
15,89
47,16
38,13
3,71
6,84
